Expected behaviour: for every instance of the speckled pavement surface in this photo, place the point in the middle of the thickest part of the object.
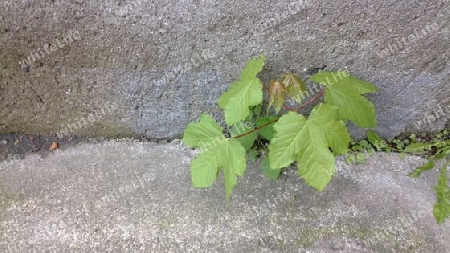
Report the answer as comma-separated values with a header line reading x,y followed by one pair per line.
x,y
129,196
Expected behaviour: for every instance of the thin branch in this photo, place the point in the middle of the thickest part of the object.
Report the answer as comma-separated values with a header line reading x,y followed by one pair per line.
x,y
256,129
317,96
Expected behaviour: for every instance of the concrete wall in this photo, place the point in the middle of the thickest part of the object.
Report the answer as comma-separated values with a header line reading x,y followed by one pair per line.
x,y
146,68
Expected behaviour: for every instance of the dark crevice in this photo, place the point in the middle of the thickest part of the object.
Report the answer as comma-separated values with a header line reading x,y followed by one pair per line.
x,y
37,95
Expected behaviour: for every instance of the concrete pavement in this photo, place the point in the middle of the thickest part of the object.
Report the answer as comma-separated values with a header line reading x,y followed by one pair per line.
x,y
129,196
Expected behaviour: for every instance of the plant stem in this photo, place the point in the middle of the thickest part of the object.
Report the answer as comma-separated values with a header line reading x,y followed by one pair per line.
x,y
317,96
256,129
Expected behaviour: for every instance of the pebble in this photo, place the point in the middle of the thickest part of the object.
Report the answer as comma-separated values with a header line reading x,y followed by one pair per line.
x,y
4,142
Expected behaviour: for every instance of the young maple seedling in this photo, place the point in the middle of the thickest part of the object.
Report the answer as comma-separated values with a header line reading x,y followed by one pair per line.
x,y
312,142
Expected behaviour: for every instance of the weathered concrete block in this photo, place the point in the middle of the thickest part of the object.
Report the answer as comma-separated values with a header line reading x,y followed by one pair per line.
x,y
164,63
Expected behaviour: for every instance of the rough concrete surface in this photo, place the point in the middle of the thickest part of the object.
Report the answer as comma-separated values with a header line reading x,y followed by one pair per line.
x,y
128,196
165,62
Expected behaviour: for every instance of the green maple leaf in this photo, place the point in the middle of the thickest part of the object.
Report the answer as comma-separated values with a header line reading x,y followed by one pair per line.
x,y
204,168
229,155
346,93
217,152
308,141
202,133
233,161
441,209
244,93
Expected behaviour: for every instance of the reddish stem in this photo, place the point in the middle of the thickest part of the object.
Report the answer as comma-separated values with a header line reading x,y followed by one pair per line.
x,y
256,129
317,96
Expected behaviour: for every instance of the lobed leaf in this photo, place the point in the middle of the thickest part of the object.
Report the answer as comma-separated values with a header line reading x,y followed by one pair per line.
x,y
204,168
244,93
327,119
308,141
345,92
286,144
202,133
232,159
221,152
229,155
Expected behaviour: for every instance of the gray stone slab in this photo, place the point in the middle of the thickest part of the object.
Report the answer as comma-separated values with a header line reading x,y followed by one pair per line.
x,y
165,62
127,196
